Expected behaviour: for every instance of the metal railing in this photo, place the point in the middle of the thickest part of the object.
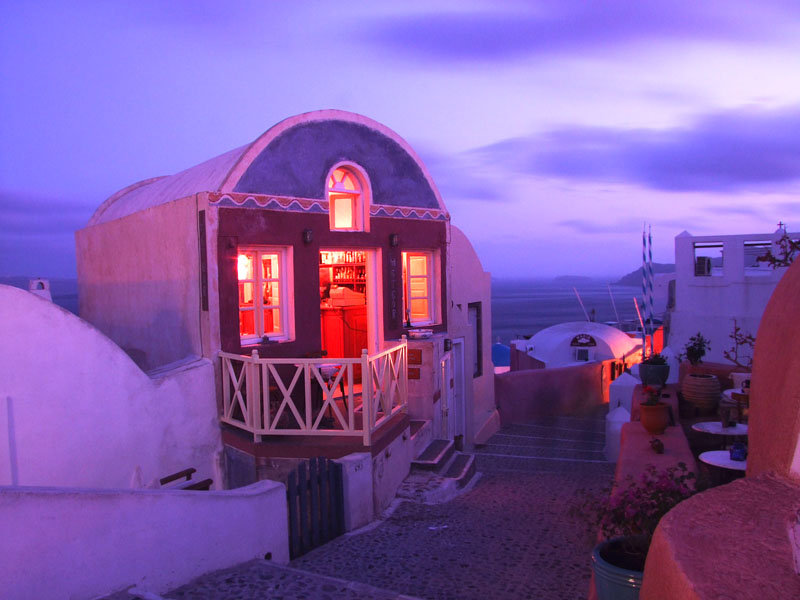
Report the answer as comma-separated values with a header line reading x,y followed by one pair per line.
x,y
314,396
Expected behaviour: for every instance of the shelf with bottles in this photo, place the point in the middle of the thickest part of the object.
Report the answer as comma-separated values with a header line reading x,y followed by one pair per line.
x,y
335,258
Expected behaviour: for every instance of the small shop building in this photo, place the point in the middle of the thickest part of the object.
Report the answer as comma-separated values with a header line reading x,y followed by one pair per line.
x,y
318,269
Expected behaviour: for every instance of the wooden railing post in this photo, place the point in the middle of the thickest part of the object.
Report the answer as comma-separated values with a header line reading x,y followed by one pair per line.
x,y
403,383
307,382
366,397
253,393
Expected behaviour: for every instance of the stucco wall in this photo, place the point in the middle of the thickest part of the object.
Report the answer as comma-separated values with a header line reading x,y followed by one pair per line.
x,y
523,395
470,283
138,282
79,543
76,411
775,394
708,304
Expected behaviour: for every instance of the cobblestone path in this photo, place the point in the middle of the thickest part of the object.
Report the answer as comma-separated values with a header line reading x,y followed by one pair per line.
x,y
508,537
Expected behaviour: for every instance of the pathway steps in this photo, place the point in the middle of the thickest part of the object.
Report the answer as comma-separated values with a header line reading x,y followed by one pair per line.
x,y
510,536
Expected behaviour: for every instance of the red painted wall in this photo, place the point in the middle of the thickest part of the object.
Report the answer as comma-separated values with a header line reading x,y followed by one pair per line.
x,y
245,226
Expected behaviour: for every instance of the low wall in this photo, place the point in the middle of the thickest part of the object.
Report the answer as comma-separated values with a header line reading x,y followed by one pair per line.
x,y
76,411
79,543
523,395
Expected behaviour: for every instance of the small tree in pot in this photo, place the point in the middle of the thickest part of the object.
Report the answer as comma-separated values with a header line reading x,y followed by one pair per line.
x,y
654,370
699,389
627,516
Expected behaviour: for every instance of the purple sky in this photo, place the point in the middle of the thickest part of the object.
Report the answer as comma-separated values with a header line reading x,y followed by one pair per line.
x,y
553,129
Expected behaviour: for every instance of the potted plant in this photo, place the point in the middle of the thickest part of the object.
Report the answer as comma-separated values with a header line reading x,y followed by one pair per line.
x,y
653,413
627,516
699,389
654,370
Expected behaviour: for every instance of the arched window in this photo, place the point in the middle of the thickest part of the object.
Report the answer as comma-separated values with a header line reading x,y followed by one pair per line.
x,y
346,200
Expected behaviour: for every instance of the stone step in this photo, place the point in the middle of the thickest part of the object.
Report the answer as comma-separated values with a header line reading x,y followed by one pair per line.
x,y
435,456
461,468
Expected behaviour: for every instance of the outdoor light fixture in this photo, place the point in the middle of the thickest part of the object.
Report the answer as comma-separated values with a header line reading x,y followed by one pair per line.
x,y
308,236
394,239
448,344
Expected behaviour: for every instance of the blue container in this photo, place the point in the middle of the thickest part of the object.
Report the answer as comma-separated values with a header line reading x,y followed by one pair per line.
x,y
738,451
612,582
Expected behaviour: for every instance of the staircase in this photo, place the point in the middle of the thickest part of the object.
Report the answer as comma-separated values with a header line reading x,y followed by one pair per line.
x,y
438,474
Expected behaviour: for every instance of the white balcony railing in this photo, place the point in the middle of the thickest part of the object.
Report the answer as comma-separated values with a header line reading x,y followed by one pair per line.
x,y
314,396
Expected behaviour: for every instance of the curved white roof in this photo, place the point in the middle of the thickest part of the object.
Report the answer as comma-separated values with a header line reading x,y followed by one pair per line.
x,y
548,342
240,169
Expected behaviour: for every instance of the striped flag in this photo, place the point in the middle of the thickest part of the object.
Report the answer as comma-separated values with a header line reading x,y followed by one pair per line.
x,y
644,292
650,286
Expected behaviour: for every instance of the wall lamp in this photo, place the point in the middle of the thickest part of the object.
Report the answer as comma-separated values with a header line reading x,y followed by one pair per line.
x,y
448,344
308,236
394,240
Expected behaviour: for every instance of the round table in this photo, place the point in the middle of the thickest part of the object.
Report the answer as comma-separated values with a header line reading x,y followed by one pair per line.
x,y
716,428
722,459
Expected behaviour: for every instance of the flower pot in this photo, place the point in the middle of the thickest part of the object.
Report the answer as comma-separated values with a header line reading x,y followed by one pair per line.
x,y
654,417
702,391
655,375
615,575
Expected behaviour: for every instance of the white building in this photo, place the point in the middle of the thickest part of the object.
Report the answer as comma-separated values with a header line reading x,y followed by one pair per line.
x,y
717,279
577,342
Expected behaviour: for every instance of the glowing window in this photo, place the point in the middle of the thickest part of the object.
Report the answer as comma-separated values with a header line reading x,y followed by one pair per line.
x,y
263,293
345,200
418,285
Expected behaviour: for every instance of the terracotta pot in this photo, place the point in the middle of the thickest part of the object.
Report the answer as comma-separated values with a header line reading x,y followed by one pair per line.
x,y
654,417
702,391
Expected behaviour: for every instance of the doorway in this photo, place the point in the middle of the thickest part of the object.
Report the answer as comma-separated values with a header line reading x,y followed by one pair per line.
x,y
453,388
343,302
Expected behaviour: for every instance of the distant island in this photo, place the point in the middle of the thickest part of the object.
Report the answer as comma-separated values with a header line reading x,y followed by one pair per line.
x,y
635,277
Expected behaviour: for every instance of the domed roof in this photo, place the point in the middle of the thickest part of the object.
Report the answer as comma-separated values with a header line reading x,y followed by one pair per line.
x,y
293,159
546,343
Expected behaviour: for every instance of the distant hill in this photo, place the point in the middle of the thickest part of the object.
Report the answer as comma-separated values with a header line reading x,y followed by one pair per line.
x,y
635,278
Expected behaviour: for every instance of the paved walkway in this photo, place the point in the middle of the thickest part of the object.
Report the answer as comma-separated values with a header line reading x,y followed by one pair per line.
x,y
508,537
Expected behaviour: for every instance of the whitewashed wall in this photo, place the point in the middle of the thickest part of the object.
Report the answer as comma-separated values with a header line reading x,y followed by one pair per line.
x,y
468,282
76,411
60,543
708,304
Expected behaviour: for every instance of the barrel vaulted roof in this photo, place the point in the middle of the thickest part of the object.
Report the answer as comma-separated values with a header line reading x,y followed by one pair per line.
x,y
293,159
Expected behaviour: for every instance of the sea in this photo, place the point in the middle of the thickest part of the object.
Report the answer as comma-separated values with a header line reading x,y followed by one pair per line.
x,y
522,307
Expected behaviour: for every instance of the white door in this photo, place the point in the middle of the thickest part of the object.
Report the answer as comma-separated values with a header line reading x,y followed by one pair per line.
x,y
459,390
447,386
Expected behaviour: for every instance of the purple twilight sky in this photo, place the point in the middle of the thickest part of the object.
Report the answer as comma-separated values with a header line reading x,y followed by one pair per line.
x,y
553,129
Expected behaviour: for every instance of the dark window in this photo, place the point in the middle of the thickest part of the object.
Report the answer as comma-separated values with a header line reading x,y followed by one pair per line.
x,y
475,323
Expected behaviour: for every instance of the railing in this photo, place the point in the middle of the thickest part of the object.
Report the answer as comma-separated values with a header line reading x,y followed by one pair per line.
x,y
314,396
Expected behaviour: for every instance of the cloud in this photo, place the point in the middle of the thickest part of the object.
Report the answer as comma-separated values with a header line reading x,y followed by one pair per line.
x,y
731,151
24,215
541,28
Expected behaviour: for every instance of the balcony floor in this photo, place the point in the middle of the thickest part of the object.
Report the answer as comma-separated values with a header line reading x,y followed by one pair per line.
x,y
309,446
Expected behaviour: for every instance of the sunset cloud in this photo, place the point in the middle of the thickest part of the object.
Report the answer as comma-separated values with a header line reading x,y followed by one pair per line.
x,y
731,151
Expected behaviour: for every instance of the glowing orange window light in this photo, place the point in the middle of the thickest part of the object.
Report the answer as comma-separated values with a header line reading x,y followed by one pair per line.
x,y
344,196
245,266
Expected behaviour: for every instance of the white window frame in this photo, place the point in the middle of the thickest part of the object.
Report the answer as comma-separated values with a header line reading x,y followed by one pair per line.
x,y
432,287
361,197
285,294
